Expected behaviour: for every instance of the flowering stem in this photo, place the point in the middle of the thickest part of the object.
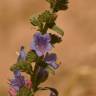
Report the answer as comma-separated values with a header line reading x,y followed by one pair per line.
x,y
40,54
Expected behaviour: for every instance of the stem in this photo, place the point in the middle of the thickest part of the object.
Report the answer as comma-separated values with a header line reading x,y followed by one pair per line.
x,y
45,28
34,77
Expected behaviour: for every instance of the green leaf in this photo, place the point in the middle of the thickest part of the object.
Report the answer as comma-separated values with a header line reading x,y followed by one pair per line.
x,y
34,21
24,92
44,21
22,66
55,39
31,56
57,5
52,2
47,17
60,5
58,30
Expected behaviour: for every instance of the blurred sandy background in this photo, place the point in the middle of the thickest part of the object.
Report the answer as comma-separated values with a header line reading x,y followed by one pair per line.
x,y
77,74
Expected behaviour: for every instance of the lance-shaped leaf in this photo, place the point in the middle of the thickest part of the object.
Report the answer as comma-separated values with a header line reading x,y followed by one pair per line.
x,y
34,21
60,5
55,39
31,56
58,30
22,66
52,2
47,17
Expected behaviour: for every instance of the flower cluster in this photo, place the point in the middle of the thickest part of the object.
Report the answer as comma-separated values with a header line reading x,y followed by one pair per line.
x,y
39,61
18,82
41,46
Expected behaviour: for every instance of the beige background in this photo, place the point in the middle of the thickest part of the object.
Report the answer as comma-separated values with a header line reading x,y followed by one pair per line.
x,y
77,49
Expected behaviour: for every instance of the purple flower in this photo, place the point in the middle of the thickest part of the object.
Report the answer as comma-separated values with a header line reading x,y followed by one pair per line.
x,y
18,81
51,60
22,54
41,43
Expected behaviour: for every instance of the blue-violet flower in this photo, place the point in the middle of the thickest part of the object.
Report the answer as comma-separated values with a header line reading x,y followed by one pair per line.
x,y
51,60
18,81
22,54
41,43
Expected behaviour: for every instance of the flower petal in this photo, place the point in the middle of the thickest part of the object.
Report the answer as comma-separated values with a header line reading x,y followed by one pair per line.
x,y
22,54
41,43
54,65
47,36
18,81
51,58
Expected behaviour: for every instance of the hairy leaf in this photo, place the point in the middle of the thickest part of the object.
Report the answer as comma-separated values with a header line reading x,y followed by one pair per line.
x,y
22,66
31,56
52,2
34,21
55,39
60,5
57,5
47,17
58,30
